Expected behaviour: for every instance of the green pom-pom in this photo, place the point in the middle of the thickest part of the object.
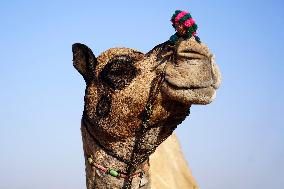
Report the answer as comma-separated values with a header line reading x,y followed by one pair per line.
x,y
175,14
184,18
173,38
190,30
194,27
188,34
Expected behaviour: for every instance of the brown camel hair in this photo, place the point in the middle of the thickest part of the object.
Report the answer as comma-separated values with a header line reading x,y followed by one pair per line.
x,y
134,101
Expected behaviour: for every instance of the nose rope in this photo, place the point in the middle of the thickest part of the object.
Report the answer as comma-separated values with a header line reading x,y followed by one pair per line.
x,y
166,53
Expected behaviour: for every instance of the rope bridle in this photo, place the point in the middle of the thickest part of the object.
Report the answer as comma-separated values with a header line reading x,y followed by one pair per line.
x,y
148,110
135,159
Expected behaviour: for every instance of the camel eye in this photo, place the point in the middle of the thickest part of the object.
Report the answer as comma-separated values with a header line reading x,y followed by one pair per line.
x,y
119,72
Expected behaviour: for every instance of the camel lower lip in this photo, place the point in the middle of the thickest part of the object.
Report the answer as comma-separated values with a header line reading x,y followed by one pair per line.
x,y
182,88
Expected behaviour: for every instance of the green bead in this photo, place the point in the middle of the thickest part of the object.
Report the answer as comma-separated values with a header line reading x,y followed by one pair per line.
x,y
113,173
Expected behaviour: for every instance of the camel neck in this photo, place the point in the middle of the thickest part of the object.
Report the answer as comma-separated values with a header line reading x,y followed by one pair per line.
x,y
102,168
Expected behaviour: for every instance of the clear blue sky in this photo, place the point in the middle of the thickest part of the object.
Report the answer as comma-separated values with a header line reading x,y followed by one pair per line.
x,y
237,142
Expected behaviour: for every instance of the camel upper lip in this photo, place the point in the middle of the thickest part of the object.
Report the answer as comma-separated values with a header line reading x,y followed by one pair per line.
x,y
172,85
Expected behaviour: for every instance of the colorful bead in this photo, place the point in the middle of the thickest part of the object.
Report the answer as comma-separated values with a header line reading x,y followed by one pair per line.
x,y
90,160
113,173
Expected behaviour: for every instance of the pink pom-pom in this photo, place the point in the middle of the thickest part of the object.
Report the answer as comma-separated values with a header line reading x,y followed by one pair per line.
x,y
189,22
192,21
180,15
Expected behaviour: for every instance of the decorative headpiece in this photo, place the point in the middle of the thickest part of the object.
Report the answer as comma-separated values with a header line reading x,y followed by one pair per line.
x,y
184,17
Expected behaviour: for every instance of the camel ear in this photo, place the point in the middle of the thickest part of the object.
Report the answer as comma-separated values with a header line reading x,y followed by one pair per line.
x,y
84,61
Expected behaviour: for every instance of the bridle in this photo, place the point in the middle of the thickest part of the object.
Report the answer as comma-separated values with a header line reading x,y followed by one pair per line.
x,y
135,160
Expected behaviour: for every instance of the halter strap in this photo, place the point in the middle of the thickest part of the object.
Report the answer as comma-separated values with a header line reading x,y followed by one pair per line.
x,y
134,160
108,151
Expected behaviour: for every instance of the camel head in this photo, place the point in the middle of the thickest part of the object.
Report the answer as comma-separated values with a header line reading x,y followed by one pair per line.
x,y
120,80
120,83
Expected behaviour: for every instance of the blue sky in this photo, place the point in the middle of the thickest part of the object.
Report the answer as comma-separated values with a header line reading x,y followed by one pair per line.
x,y
236,142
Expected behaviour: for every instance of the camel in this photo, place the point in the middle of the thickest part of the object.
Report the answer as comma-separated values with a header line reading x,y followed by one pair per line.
x,y
169,159
133,102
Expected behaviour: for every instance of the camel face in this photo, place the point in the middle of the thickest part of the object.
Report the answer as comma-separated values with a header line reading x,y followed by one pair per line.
x,y
194,76
120,93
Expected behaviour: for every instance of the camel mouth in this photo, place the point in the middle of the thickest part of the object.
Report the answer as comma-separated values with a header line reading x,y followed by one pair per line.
x,y
189,95
175,87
